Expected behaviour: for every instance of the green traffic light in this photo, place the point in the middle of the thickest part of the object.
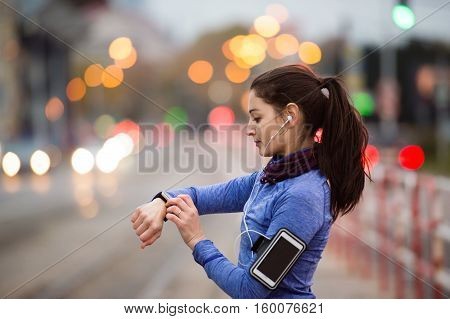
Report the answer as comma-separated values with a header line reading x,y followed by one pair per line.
x,y
364,103
403,16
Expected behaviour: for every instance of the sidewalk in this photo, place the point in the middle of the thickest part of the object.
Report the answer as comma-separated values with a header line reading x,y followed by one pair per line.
x,y
333,281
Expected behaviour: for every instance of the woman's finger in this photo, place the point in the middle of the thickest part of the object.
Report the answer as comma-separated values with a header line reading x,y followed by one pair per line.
x,y
174,219
142,228
178,201
147,234
174,210
139,221
151,240
135,215
188,200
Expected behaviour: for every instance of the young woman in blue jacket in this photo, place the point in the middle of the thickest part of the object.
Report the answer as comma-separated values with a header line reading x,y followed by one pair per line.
x,y
304,188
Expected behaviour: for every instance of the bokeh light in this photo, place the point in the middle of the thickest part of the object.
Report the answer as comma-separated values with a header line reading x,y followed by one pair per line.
x,y
426,81
11,164
129,127
272,50
236,74
107,160
93,75
286,44
364,103
249,50
112,76
82,161
176,116
309,52
129,61
200,71
411,157
220,91
120,48
267,26
226,50
40,162
76,89
403,16
221,115
372,155
54,109
278,11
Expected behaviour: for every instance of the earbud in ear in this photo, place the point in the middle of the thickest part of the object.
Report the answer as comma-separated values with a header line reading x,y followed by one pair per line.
x,y
289,118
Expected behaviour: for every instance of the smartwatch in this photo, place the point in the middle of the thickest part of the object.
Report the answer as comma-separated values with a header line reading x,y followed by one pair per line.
x,y
165,197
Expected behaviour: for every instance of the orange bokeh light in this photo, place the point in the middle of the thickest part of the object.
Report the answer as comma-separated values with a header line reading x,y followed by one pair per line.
x,y
76,89
120,48
200,71
226,50
235,73
267,26
54,109
93,75
112,76
129,61
309,52
286,44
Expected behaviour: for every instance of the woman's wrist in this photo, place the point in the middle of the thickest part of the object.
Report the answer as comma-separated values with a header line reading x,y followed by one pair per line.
x,y
195,240
163,209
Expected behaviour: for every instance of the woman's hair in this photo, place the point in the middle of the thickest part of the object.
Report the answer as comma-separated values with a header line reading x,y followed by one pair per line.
x,y
341,151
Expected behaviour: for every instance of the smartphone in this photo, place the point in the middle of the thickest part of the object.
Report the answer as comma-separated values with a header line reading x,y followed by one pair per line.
x,y
280,255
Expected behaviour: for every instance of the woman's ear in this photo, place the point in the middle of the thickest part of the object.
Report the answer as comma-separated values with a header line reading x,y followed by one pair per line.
x,y
293,110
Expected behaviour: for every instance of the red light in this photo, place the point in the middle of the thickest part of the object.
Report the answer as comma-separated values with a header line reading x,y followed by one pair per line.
x,y
129,127
411,157
221,115
372,156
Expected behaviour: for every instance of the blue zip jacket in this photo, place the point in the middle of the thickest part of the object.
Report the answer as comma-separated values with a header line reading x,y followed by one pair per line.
x,y
301,204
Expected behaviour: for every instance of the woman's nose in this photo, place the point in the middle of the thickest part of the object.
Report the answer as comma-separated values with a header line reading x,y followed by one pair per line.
x,y
250,130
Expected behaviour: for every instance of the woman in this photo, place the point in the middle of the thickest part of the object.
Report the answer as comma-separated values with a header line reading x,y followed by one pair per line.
x,y
304,188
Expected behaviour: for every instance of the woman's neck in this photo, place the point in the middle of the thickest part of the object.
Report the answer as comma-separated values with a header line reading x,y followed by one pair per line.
x,y
289,149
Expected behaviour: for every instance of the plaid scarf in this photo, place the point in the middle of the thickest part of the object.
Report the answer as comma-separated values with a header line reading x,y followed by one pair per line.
x,y
283,167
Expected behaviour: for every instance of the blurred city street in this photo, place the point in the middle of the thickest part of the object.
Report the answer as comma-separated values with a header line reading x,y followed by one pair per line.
x,y
39,231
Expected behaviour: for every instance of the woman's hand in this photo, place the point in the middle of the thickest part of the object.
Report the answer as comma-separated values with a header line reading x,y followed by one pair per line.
x,y
148,221
183,213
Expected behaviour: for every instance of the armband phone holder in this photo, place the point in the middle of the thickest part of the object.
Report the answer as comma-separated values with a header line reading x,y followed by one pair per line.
x,y
275,257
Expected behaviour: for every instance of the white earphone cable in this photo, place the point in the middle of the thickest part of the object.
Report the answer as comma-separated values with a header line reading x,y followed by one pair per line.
x,y
289,118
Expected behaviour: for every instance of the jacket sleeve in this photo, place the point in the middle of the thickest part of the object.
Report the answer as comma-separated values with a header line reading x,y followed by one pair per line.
x,y
295,213
224,197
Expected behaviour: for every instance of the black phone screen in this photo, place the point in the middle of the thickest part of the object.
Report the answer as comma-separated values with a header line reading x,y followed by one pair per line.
x,y
278,259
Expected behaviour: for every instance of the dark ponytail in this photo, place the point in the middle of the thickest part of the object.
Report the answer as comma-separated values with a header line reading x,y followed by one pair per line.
x,y
341,151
